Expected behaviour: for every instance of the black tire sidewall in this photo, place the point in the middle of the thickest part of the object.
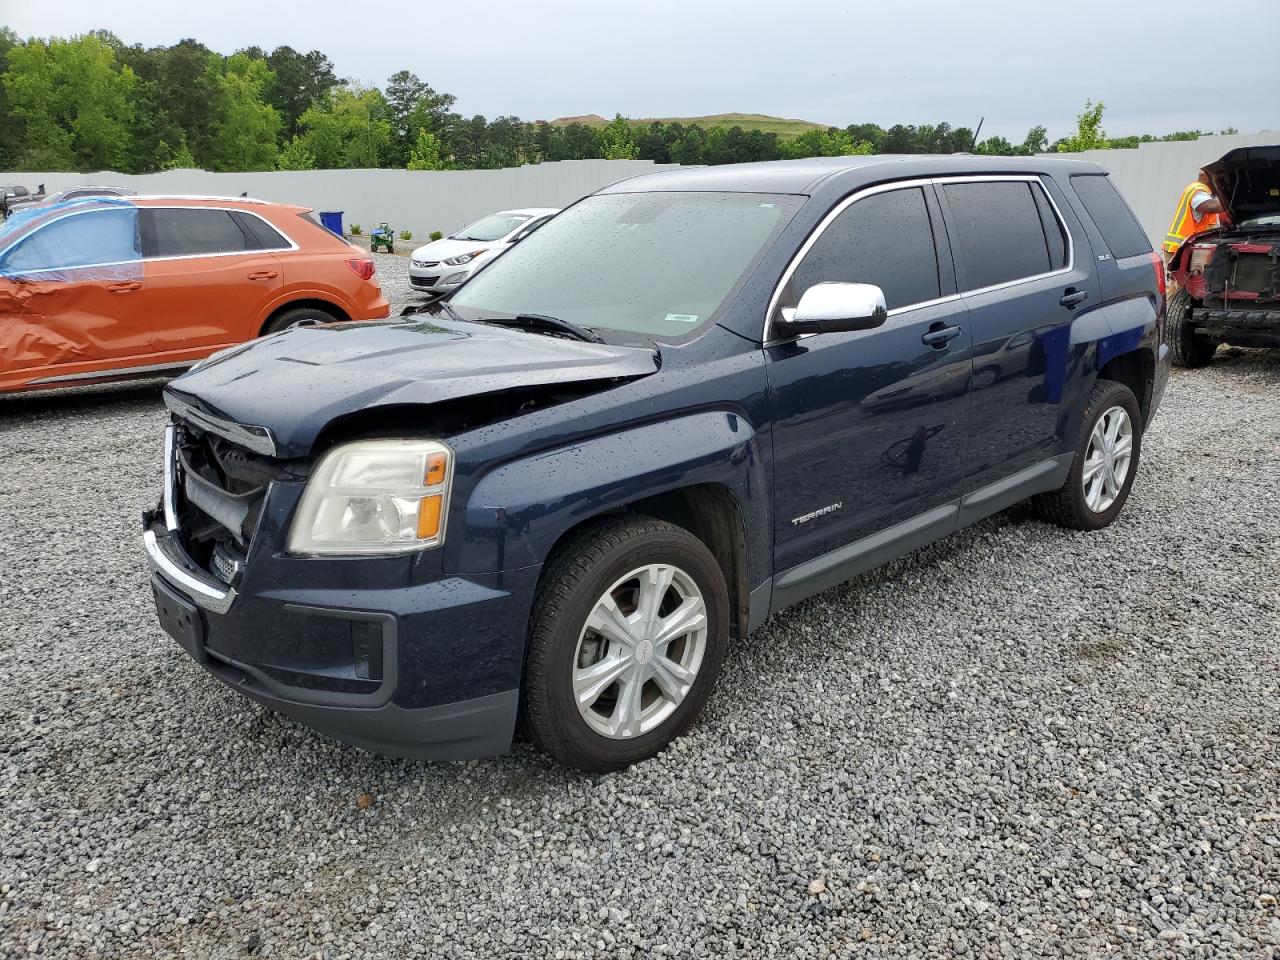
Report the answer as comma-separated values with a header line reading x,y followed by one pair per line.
x,y
295,316
1107,394
575,741
1187,348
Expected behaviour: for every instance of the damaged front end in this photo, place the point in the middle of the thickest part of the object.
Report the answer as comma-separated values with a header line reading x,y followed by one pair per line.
x,y
1231,275
1232,279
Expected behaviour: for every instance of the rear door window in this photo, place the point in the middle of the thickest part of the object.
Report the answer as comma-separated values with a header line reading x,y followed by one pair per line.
x,y
92,238
187,232
1120,229
885,239
1001,232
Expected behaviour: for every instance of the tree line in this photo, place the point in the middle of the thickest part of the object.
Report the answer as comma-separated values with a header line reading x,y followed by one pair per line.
x,y
93,102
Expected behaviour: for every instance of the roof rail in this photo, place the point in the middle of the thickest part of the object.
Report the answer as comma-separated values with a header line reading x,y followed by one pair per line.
x,y
197,196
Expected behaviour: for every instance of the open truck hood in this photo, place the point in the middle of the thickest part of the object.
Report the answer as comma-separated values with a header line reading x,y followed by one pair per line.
x,y
276,395
1247,181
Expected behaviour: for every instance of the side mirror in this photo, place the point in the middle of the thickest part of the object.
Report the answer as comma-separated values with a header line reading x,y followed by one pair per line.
x,y
834,308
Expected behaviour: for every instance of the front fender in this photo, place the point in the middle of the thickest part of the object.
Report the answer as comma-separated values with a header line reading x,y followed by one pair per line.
x,y
517,512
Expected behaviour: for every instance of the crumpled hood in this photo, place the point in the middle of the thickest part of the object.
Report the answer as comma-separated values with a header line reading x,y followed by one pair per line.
x,y
288,387
1247,181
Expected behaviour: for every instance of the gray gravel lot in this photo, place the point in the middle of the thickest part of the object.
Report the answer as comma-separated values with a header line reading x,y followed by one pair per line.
x,y
1021,742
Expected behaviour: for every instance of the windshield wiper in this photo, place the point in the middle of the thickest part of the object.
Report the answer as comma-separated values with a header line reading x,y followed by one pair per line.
x,y
540,321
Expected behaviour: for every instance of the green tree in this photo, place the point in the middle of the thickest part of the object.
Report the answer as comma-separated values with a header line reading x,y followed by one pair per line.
x,y
350,127
10,125
245,127
178,158
831,142
74,101
295,156
1036,141
425,154
413,106
617,140
188,76
1089,134
300,79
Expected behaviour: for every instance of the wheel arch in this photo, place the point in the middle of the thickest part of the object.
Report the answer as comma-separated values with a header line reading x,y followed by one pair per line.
x,y
710,512
704,472
1136,369
339,312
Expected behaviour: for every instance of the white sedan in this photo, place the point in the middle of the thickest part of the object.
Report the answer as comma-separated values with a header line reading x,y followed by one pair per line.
x,y
442,265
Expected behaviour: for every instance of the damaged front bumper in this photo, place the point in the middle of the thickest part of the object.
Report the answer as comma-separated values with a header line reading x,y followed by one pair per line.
x,y
361,650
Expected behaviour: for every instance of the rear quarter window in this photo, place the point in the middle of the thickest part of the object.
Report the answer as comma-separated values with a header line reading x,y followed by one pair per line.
x,y
264,235
1120,229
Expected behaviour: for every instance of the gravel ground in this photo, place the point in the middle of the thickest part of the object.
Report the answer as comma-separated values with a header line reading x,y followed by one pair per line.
x,y
1021,742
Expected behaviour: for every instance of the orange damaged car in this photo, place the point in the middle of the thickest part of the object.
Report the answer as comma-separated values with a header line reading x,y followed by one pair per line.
x,y
111,288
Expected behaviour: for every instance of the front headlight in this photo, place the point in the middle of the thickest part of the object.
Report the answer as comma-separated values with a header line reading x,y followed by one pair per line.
x,y
375,497
462,258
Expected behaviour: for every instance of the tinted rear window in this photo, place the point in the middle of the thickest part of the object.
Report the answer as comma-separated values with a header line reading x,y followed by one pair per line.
x,y
1000,235
192,232
1115,221
264,235
885,239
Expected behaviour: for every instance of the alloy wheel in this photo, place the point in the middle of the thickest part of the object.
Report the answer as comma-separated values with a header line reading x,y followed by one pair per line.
x,y
1107,459
640,650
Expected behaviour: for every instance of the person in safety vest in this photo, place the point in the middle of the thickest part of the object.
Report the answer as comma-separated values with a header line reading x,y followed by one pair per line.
x,y
1198,210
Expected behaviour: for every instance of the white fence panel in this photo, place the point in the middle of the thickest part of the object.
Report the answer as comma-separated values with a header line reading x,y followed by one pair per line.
x,y
416,200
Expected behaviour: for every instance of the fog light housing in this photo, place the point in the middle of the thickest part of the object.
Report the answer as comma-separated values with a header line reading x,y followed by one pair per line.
x,y
455,277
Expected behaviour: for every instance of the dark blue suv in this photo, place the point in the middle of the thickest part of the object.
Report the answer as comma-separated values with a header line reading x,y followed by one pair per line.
x,y
687,402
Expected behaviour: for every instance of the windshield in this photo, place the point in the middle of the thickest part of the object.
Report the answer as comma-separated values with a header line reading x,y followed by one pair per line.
x,y
491,228
656,264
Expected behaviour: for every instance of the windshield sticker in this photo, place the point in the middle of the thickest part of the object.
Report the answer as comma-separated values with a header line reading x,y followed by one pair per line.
x,y
682,318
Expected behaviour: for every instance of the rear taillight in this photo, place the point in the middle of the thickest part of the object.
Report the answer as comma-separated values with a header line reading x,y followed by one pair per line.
x,y
1157,262
361,267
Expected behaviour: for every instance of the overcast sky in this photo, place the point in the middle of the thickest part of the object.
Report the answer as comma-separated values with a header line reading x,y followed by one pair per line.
x,y
1018,62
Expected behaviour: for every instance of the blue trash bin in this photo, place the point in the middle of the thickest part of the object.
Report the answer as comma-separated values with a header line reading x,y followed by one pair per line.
x,y
332,220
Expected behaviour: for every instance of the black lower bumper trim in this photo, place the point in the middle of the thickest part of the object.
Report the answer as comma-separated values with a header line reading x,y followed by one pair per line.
x,y
464,730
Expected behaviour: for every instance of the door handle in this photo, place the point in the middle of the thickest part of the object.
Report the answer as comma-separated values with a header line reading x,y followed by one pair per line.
x,y
1073,298
263,275
939,336
124,286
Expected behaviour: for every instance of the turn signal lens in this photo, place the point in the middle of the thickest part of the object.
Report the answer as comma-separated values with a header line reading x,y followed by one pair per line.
x,y
429,517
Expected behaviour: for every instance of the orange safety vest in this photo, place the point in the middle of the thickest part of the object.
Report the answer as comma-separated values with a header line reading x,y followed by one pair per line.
x,y
1184,220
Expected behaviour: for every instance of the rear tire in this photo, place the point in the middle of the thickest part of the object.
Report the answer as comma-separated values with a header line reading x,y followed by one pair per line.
x,y
603,699
1098,485
1186,347
297,317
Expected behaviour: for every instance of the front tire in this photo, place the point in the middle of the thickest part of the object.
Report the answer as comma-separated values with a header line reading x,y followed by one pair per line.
x,y
1106,462
627,637
1186,347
